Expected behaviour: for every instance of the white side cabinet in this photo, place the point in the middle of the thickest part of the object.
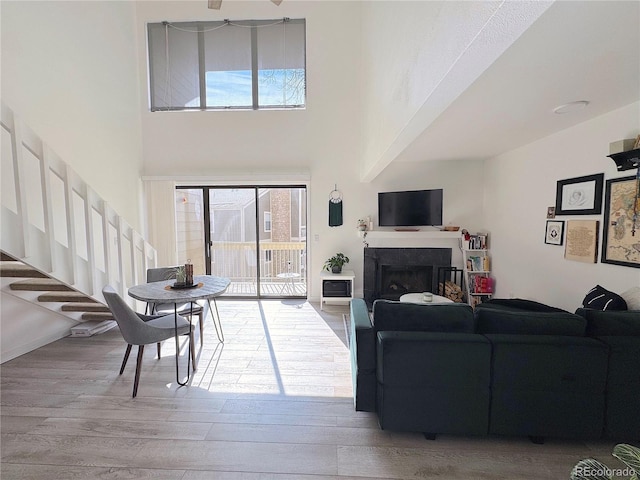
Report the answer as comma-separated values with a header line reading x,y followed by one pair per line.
x,y
337,287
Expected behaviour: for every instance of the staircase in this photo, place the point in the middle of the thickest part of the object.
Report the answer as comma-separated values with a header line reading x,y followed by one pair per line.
x,y
60,244
26,282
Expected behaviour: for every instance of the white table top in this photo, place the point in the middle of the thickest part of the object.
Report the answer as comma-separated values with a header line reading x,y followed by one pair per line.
x,y
345,275
417,298
288,275
159,292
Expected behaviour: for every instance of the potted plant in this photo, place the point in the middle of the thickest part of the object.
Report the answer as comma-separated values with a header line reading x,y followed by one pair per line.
x,y
335,263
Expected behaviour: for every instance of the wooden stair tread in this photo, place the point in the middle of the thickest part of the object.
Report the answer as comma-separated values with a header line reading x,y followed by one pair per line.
x,y
89,316
40,285
20,270
84,307
65,297
6,258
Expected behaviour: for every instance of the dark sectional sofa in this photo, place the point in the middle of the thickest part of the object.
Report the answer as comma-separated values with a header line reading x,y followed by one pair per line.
x,y
512,367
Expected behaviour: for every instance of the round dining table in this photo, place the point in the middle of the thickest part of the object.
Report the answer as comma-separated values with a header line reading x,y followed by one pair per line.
x,y
204,287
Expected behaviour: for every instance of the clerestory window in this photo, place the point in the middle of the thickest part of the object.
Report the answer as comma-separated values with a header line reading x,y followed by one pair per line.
x,y
256,64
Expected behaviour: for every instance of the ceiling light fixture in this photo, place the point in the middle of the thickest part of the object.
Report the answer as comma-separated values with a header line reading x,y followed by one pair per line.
x,y
571,107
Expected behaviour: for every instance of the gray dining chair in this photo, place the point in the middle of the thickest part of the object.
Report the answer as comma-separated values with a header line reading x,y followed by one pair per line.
x,y
185,309
141,330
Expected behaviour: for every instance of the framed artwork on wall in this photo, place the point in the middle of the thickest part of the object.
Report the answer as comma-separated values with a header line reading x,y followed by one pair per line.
x,y
553,235
582,241
580,195
619,245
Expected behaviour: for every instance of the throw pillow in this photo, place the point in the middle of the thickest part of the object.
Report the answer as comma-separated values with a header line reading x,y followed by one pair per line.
x,y
599,298
632,297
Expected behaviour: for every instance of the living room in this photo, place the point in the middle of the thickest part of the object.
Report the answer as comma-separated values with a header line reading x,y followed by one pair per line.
x,y
76,72
506,194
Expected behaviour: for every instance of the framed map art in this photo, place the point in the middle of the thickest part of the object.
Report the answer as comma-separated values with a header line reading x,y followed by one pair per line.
x,y
621,242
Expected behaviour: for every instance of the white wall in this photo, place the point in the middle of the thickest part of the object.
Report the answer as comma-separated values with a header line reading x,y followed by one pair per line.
x,y
27,325
69,70
521,184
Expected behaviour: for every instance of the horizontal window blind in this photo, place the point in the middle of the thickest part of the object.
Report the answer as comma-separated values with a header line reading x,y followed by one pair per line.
x,y
230,64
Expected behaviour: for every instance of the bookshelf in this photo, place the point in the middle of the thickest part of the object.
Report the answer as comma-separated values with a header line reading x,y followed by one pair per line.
x,y
476,263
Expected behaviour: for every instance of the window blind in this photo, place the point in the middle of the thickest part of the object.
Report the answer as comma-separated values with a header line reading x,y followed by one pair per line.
x,y
230,64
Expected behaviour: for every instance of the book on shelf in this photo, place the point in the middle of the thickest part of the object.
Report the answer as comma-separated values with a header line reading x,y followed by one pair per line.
x,y
478,264
475,242
480,284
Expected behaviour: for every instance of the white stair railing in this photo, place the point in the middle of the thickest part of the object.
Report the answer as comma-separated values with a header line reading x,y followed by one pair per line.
x,y
53,221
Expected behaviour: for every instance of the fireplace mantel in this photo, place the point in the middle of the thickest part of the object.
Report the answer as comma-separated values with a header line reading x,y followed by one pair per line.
x,y
392,234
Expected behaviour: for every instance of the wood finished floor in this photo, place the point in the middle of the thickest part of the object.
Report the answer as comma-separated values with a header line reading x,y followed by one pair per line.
x,y
272,403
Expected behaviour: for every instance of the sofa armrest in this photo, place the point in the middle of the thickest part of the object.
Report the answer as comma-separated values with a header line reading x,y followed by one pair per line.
x,y
362,352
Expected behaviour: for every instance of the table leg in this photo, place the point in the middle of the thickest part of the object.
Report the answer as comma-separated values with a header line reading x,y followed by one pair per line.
x,y
216,320
175,320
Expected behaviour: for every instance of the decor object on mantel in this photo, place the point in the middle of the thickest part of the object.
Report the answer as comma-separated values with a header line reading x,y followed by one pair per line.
x,y
335,263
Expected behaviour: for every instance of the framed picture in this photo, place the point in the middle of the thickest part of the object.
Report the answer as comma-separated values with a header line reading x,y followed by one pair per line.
x,y
555,229
551,212
619,245
580,195
582,241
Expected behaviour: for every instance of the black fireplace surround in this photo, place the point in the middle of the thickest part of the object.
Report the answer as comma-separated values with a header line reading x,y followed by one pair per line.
x,y
389,273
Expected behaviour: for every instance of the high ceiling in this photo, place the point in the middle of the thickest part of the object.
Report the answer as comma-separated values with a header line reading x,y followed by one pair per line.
x,y
574,51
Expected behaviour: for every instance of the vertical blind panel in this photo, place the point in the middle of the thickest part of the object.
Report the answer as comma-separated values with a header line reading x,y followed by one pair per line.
x,y
228,49
228,67
281,46
175,78
281,74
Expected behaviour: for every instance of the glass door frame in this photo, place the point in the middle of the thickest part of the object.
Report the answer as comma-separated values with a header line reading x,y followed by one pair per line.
x,y
206,209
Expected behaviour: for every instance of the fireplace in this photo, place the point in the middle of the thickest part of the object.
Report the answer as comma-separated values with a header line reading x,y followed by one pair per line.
x,y
389,273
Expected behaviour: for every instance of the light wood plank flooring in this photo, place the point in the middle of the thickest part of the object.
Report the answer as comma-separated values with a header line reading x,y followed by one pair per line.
x,y
272,403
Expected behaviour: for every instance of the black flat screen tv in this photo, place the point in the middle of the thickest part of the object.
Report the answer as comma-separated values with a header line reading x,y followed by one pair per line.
x,y
410,208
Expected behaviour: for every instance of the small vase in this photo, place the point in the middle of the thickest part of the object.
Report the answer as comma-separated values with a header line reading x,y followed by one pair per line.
x,y
336,269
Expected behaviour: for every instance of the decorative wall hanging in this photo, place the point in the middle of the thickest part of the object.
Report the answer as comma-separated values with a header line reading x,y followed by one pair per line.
x,y
335,207
621,242
553,235
582,241
580,195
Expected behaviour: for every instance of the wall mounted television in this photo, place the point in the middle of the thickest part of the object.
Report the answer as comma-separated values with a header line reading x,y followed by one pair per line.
x,y
413,208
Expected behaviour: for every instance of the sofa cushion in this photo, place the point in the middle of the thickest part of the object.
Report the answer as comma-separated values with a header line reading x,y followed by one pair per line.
x,y
518,304
632,298
616,323
493,321
599,298
399,316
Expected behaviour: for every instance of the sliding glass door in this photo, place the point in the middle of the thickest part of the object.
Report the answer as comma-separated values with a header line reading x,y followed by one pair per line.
x,y
256,236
